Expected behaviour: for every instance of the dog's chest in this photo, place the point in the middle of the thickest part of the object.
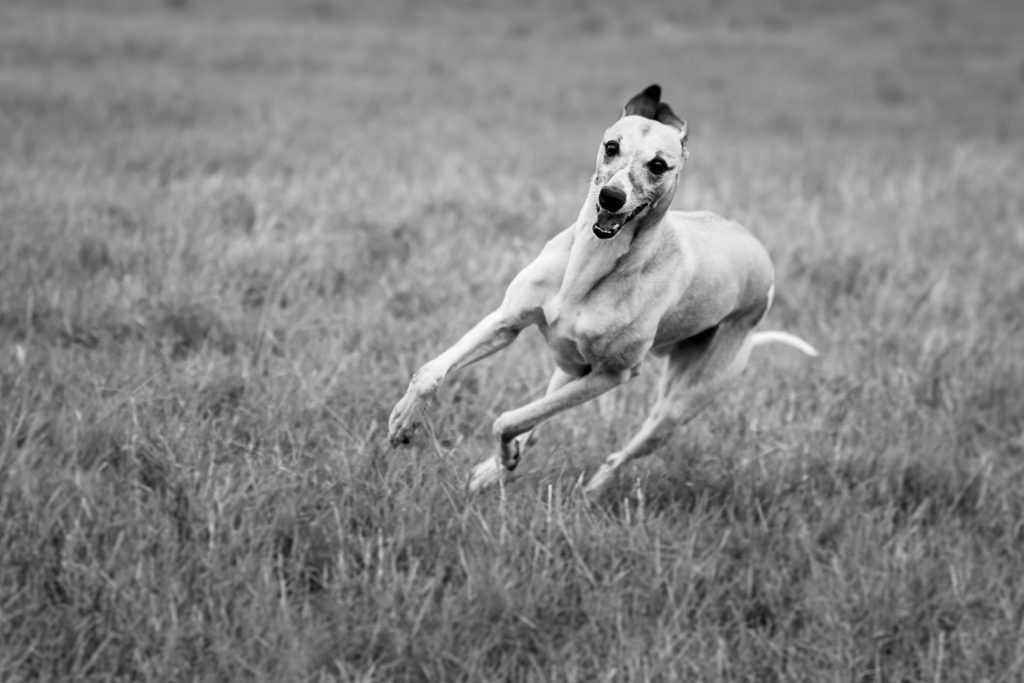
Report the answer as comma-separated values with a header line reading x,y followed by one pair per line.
x,y
598,330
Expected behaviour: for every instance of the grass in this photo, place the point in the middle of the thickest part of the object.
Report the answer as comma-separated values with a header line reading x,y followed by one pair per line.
x,y
232,230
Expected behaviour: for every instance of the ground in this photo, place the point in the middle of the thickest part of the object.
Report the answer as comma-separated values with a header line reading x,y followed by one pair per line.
x,y
232,230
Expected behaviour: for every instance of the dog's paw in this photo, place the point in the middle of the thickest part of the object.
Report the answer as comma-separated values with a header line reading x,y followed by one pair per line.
x,y
404,420
597,484
510,454
604,476
486,474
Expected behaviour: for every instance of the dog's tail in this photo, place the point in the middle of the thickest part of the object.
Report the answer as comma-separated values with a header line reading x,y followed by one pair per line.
x,y
786,338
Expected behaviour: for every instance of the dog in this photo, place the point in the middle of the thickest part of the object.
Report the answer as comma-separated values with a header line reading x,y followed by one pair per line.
x,y
629,278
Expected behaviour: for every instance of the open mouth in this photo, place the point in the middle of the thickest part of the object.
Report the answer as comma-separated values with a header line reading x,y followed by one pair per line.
x,y
608,224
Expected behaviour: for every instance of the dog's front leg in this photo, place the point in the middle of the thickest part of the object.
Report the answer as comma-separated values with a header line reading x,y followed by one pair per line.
x,y
493,333
559,378
515,422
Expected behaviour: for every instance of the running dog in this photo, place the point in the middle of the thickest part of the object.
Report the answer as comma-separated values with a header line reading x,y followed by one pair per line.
x,y
628,278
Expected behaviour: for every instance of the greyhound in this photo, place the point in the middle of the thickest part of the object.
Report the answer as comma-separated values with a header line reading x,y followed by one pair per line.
x,y
628,278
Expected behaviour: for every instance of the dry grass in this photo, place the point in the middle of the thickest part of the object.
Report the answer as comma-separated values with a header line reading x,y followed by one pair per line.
x,y
228,242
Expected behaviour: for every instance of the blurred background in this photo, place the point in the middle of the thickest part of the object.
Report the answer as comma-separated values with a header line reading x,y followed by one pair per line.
x,y
230,230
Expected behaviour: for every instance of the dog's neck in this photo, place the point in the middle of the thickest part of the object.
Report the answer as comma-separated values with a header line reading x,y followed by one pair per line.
x,y
591,259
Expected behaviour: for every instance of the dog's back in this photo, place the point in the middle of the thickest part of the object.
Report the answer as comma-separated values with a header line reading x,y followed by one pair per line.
x,y
727,271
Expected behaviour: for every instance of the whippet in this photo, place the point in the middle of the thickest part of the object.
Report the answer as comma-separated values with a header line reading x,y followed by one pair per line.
x,y
627,278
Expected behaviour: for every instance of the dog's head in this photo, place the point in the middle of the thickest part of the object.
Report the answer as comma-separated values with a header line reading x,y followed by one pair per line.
x,y
638,163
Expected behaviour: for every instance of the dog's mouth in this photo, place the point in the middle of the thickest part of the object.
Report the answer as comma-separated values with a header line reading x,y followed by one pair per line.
x,y
608,224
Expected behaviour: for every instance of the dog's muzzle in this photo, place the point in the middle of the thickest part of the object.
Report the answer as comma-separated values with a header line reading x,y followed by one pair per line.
x,y
608,224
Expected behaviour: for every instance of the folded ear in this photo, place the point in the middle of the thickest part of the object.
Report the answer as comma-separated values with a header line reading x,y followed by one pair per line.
x,y
668,117
645,103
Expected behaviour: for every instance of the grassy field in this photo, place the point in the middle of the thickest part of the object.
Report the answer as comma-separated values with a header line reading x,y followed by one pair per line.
x,y
229,232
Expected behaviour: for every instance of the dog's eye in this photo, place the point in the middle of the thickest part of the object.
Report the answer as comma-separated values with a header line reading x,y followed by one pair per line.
x,y
611,148
657,166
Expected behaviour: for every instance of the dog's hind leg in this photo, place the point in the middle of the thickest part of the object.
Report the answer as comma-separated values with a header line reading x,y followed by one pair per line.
x,y
695,373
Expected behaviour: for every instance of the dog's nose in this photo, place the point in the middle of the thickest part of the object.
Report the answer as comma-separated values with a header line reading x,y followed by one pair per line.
x,y
611,198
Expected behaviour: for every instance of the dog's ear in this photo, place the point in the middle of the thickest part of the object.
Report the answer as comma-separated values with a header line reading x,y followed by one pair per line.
x,y
668,117
645,103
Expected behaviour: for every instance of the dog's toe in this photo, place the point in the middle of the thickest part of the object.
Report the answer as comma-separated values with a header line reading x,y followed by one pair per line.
x,y
399,436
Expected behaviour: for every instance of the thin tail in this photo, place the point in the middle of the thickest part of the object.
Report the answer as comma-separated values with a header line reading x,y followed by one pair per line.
x,y
784,338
